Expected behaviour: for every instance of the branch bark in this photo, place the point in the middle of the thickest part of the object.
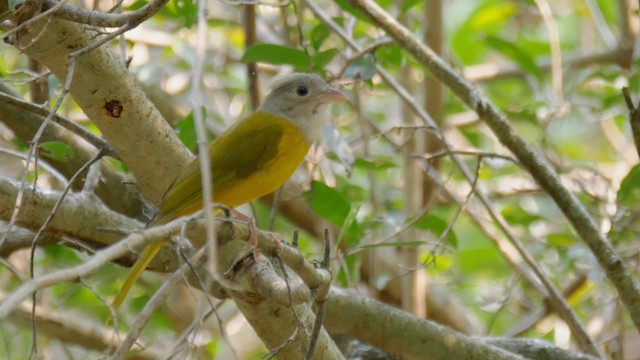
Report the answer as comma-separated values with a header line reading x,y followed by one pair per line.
x,y
111,98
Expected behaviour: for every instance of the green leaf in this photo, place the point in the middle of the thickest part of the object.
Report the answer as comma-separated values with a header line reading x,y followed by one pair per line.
x,y
362,69
517,215
492,14
187,131
629,192
344,5
319,34
321,59
187,10
563,240
408,4
489,18
348,231
56,150
515,53
277,55
136,5
350,274
437,226
380,163
390,56
328,203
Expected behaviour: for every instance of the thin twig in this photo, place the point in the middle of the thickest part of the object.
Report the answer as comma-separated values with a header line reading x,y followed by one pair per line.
x,y
367,50
50,169
203,148
158,297
31,155
53,211
250,38
213,310
34,242
634,117
55,6
258,2
554,41
320,299
118,249
601,24
480,154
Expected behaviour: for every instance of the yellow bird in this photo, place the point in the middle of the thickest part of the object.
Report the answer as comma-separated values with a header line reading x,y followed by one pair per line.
x,y
252,158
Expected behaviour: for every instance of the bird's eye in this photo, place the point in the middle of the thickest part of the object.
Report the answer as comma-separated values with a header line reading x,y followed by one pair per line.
x,y
302,90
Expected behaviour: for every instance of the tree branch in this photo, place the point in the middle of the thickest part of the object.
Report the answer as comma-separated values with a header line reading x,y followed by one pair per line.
x,y
103,19
111,98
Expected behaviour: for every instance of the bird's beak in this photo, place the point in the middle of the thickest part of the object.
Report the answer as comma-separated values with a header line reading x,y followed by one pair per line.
x,y
331,95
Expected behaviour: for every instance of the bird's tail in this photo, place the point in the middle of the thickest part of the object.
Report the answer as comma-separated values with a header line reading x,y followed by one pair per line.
x,y
136,271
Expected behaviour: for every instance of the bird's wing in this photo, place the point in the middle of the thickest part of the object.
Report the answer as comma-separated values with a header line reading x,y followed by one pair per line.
x,y
246,147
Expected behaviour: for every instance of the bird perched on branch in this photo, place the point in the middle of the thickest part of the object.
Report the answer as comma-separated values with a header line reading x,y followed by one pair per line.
x,y
252,158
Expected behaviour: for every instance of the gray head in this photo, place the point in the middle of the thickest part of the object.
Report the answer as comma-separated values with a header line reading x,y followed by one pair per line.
x,y
302,99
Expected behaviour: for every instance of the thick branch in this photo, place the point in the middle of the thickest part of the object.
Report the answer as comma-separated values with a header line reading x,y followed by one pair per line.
x,y
103,19
111,98
388,328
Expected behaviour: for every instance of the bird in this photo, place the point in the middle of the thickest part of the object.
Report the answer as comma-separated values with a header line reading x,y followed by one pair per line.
x,y
253,158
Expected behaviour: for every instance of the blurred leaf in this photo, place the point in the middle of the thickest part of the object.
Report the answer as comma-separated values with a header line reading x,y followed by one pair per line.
x,y
609,10
437,226
517,215
319,34
20,144
136,5
321,59
362,69
564,239
473,135
187,131
56,150
408,4
351,230
59,254
489,18
477,260
344,5
390,56
277,55
349,274
515,53
581,293
212,348
491,14
187,10
328,203
378,163
629,192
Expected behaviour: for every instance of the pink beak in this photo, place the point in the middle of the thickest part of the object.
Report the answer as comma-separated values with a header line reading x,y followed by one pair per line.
x,y
331,95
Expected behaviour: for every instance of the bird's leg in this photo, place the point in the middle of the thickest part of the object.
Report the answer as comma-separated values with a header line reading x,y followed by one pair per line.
x,y
253,232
